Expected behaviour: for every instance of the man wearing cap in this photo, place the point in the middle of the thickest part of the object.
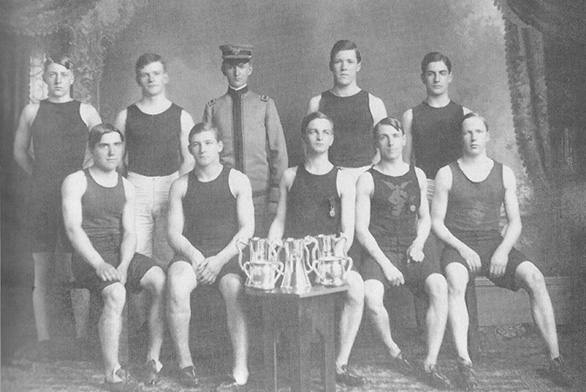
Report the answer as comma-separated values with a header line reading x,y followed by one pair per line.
x,y
254,142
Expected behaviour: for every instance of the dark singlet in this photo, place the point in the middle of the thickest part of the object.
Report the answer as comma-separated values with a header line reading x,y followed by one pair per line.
x,y
394,208
313,204
475,206
436,136
59,137
211,215
353,146
102,207
153,141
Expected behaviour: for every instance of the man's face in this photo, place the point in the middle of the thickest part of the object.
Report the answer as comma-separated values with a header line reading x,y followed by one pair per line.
x,y
152,79
344,67
205,148
107,153
474,136
319,135
237,72
436,78
390,142
59,80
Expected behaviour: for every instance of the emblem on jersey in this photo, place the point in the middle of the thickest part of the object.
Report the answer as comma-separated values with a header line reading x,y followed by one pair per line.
x,y
264,98
212,102
332,205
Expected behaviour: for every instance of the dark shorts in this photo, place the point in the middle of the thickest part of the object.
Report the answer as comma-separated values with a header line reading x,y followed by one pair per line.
x,y
414,274
45,218
231,267
109,248
485,247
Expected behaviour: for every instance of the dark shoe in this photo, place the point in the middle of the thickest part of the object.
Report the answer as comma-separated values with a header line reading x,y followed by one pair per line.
x,y
230,385
348,376
436,379
125,385
467,379
188,378
402,364
557,373
151,376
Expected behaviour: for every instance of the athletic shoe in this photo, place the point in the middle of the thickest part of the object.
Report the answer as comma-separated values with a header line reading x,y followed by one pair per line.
x,y
557,372
436,379
125,385
467,379
188,378
348,376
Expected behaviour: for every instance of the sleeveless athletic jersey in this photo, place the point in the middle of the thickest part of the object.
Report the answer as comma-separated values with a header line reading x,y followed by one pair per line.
x,y
394,208
436,136
475,206
353,146
211,216
59,138
313,204
153,141
102,207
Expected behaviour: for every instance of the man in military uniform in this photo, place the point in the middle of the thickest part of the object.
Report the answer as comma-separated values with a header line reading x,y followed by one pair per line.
x,y
252,133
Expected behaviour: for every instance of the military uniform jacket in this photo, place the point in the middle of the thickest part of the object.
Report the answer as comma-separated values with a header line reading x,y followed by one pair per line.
x,y
264,156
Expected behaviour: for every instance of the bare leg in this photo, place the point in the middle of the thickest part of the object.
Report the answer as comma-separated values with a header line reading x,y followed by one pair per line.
x,y
181,281
43,266
231,287
457,277
110,326
351,316
531,279
436,318
373,297
154,282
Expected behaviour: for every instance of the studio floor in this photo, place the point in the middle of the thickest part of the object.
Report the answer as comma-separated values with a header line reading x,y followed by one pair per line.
x,y
512,358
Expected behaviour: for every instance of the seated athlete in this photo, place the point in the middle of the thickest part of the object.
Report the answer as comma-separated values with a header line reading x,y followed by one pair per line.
x,y
466,211
98,211
210,209
318,198
392,225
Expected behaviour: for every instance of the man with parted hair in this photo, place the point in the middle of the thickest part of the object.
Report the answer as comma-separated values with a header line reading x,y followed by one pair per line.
x,y
318,198
98,211
353,110
466,212
156,132
253,137
56,128
210,210
393,225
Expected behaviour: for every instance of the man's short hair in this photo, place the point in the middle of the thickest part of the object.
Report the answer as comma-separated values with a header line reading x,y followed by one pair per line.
x,y
344,44
146,59
205,127
473,115
313,116
96,133
433,57
58,58
393,122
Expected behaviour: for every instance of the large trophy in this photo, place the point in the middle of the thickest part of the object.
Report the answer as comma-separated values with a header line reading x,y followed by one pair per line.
x,y
263,269
297,264
331,270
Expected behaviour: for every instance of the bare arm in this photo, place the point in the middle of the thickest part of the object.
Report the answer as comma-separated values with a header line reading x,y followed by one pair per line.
x,y
512,232
23,136
415,251
377,108
407,150
314,104
72,191
91,118
128,244
443,184
120,124
347,191
277,228
176,221
187,161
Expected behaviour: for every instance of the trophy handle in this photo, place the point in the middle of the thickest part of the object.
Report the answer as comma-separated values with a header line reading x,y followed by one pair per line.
x,y
245,268
241,242
280,271
350,264
311,257
339,239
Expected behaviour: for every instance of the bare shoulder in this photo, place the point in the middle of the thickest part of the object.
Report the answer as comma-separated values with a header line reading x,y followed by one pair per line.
x,y
120,121
186,117
509,178
345,180
289,176
407,116
29,113
443,178
239,182
365,183
314,104
75,183
466,110
421,177
128,188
